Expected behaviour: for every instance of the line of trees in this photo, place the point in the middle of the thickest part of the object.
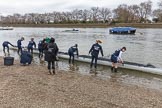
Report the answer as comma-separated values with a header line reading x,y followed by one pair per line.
x,y
122,14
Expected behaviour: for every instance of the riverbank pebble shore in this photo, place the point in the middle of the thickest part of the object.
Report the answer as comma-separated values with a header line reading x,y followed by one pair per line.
x,y
32,87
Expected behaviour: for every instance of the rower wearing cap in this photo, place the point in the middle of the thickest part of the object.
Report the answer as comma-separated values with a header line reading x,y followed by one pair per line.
x,y
19,45
95,51
73,51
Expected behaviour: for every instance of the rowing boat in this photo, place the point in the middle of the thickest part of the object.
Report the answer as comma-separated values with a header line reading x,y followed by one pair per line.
x,y
106,62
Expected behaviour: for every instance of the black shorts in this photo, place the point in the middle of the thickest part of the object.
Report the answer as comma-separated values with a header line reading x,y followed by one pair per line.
x,y
114,59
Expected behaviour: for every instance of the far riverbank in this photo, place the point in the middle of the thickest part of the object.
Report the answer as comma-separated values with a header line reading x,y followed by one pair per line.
x,y
100,25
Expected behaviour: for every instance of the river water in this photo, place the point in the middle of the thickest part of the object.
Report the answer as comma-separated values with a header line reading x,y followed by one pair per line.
x,y
143,47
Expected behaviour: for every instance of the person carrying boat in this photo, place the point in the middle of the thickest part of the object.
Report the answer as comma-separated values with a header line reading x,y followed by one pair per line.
x,y
72,52
116,58
30,45
95,51
50,55
19,45
5,45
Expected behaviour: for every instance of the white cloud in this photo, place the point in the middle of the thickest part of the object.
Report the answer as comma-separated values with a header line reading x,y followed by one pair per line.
x,y
41,6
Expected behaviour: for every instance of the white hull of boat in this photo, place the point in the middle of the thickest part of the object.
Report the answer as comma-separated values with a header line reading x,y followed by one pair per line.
x,y
157,71
125,66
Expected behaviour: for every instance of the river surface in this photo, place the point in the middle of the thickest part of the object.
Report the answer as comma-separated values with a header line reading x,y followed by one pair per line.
x,y
143,47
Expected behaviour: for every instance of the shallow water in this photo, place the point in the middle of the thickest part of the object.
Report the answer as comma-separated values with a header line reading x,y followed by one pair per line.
x,y
103,72
123,76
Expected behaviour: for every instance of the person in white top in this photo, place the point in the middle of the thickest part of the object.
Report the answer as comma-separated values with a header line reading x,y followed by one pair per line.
x,y
116,58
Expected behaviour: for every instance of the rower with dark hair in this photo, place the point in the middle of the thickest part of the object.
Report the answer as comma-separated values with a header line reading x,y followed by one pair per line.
x,y
41,47
50,55
30,45
116,58
19,45
73,51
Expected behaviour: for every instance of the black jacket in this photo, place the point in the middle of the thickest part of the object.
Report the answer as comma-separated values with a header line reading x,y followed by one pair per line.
x,y
51,52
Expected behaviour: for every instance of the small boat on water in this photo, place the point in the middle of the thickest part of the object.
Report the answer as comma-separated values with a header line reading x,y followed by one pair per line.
x,y
6,28
122,30
148,68
73,30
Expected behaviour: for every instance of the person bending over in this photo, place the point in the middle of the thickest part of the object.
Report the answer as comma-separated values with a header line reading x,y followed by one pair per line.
x,y
72,52
6,45
116,58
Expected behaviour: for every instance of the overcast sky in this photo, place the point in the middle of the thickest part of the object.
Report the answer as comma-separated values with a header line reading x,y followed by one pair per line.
x,y
41,6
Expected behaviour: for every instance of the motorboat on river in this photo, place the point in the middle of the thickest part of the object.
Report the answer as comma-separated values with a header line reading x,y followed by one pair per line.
x,y
6,28
73,30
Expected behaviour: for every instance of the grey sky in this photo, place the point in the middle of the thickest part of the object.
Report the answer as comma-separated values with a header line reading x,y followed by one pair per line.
x,y
41,6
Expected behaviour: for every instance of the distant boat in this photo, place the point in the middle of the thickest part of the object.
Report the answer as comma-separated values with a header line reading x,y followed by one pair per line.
x,y
6,28
122,30
73,30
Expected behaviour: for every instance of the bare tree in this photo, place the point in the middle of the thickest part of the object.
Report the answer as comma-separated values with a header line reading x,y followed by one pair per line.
x,y
145,10
94,12
157,14
134,13
121,13
76,15
105,14
85,15
160,4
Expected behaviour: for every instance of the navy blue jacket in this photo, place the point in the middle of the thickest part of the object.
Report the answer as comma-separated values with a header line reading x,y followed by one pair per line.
x,y
19,43
40,45
6,43
116,53
31,44
72,50
95,50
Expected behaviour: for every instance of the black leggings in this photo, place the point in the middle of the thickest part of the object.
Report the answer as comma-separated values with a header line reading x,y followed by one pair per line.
x,y
30,50
94,58
19,50
40,53
71,56
49,64
7,49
